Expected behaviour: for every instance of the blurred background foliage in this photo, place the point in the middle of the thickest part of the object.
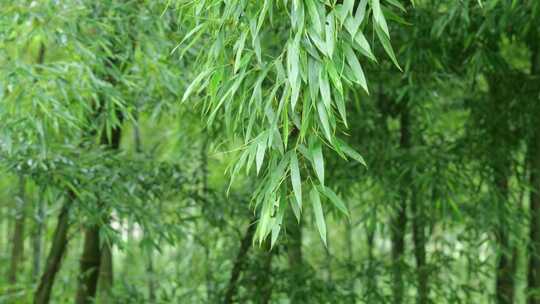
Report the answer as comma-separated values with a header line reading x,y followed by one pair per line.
x,y
276,151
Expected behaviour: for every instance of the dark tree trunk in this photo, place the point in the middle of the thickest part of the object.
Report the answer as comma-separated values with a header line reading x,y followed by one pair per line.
x,y
533,276
263,283
399,222
500,162
372,288
350,259
92,252
89,266
57,251
17,250
239,263
38,238
505,264
152,276
106,275
297,292
419,240
39,214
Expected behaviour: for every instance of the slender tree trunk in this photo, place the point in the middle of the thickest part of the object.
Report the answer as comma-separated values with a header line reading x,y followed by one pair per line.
x,y
399,222
57,251
8,219
505,266
17,251
89,266
208,275
533,276
350,258
372,276
500,163
106,275
38,238
505,270
297,293
263,282
92,252
419,240
239,263
151,276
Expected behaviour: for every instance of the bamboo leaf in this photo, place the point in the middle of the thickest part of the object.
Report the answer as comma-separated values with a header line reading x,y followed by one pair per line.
x,y
324,120
330,35
397,4
324,87
261,148
334,199
319,215
351,152
239,49
318,161
385,41
276,227
296,210
314,15
356,68
194,84
363,45
296,180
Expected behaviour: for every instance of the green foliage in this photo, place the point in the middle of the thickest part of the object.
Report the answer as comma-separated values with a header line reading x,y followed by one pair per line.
x,y
194,135
279,74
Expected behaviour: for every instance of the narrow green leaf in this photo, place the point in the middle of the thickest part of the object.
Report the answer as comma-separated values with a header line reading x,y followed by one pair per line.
x,y
334,199
356,67
363,45
239,49
340,102
293,67
352,23
324,86
324,120
313,76
265,220
351,152
262,16
276,227
314,15
306,116
255,41
297,15
261,148
319,216
296,210
195,83
330,34
397,4
319,43
385,41
188,35
378,17
296,180
318,161
335,77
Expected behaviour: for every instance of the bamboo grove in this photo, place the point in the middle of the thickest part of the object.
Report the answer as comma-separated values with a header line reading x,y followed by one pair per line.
x,y
272,151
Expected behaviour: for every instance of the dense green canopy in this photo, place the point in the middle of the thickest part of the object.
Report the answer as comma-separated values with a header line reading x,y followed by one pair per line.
x,y
273,151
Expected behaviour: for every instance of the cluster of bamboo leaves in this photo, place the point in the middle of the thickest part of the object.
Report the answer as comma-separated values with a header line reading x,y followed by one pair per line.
x,y
279,74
